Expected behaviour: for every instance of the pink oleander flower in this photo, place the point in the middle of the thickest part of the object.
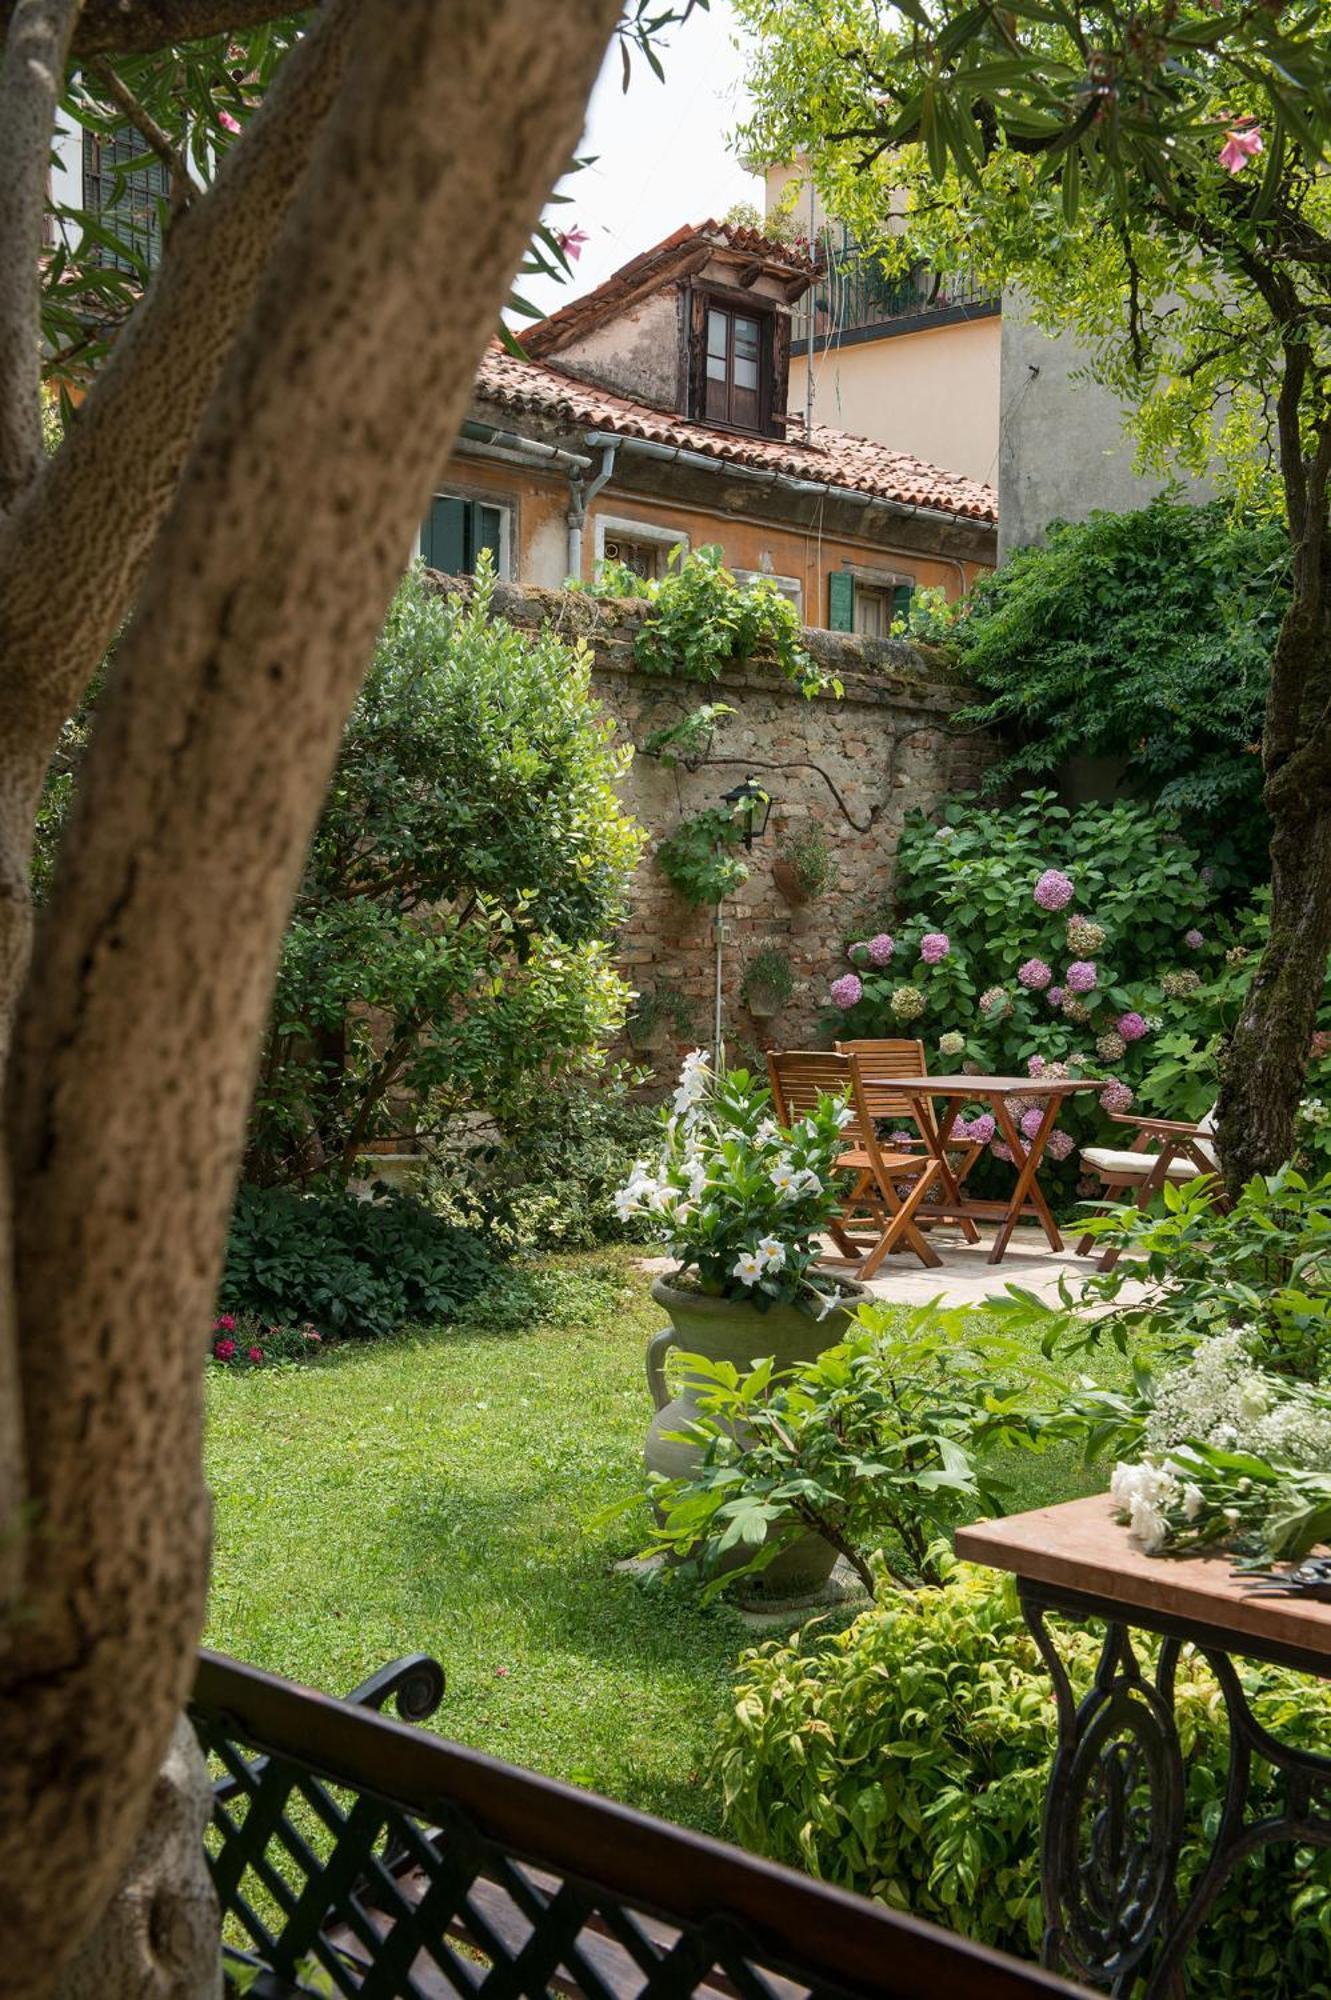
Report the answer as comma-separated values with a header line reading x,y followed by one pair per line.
x,y
1054,890
1131,1026
571,242
1034,974
881,949
1031,1121
1001,1150
1055,996
1035,1066
1059,1144
227,122
225,1350
1081,975
982,1129
224,1323
254,1354
934,947
1116,1096
1194,940
1242,143
846,991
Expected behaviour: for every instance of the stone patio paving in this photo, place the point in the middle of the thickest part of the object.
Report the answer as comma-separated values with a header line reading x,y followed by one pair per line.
x,y
966,1277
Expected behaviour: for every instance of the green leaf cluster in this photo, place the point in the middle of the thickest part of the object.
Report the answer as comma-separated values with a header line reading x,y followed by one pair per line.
x,y
703,622
701,857
907,1757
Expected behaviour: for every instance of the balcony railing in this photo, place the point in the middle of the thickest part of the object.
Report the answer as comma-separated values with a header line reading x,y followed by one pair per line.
x,y
856,299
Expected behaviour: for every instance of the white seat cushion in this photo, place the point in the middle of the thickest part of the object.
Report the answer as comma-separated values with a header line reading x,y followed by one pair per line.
x,y
1135,1166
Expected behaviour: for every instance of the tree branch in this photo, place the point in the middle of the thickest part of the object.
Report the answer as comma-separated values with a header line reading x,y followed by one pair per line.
x,y
31,78
137,27
145,1009
183,186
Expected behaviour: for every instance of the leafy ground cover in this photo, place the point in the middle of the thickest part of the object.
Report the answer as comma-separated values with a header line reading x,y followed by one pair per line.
x,y
438,1490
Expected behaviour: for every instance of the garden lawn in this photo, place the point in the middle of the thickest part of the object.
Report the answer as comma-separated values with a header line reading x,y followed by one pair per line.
x,y
440,1491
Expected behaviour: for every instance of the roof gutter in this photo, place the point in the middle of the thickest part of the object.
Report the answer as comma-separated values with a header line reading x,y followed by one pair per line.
x,y
513,446
823,489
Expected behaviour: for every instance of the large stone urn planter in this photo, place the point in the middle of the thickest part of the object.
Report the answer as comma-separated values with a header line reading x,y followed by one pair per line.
x,y
732,1330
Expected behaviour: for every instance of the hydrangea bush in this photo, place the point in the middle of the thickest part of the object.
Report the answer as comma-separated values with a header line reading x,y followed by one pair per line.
x,y
738,1199
1077,938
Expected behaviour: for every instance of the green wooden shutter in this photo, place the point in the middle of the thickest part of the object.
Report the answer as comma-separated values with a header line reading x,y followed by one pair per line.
x,y
444,536
486,525
841,601
902,594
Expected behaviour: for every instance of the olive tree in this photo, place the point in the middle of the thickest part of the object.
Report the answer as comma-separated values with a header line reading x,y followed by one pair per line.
x,y
237,489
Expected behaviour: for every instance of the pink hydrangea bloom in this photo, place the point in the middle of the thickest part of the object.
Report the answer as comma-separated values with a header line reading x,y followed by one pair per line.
x,y
1054,890
846,990
994,999
881,948
1001,1150
901,1137
1055,996
1131,1026
982,1129
1194,940
1059,1143
1116,1096
934,946
1082,975
1035,1066
1035,974
1031,1121
224,1349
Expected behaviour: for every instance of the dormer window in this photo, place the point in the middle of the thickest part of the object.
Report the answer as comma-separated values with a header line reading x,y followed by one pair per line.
x,y
734,372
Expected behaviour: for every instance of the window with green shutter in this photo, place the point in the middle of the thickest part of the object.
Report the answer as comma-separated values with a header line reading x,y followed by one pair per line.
x,y
841,601
455,531
870,608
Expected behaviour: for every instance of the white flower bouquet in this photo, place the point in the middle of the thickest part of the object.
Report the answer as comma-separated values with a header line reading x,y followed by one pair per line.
x,y
741,1201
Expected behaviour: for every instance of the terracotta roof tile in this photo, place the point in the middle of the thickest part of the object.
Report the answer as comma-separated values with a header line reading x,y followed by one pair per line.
x,y
829,457
653,268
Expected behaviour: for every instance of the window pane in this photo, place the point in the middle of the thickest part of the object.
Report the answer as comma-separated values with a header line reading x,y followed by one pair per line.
x,y
716,367
744,407
746,338
746,372
718,329
718,402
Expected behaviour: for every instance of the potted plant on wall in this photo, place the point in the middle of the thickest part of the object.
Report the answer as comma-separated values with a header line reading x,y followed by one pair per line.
x,y
803,865
658,1015
768,982
740,1203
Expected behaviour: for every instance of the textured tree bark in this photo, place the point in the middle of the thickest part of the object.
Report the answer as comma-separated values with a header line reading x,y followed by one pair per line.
x,y
144,1008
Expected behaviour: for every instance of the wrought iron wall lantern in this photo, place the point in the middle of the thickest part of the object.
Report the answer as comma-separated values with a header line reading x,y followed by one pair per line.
x,y
750,802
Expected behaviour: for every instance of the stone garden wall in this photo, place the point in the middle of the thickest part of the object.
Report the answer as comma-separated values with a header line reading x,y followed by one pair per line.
x,y
854,766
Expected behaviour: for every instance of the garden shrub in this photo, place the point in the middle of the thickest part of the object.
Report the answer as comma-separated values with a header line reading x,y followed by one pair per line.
x,y
1034,934
906,1758
1145,635
548,1181
347,1266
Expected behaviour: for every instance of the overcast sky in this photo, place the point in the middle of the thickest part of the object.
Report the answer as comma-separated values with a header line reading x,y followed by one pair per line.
x,y
662,151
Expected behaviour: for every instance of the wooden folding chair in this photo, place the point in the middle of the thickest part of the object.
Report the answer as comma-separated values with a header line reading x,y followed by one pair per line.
x,y
880,1059
798,1080
1186,1153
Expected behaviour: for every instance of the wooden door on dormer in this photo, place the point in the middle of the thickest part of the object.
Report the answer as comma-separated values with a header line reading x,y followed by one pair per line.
x,y
733,378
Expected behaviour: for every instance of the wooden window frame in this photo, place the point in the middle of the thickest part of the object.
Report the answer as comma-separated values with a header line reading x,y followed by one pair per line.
x,y
773,358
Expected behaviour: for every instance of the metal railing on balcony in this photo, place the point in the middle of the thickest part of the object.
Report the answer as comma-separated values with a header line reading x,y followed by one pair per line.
x,y
855,297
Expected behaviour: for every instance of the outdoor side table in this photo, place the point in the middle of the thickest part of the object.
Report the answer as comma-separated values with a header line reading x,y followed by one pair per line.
x,y
1113,1819
1027,1197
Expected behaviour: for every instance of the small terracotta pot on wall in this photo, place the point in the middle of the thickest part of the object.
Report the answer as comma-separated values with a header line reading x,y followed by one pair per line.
x,y
788,882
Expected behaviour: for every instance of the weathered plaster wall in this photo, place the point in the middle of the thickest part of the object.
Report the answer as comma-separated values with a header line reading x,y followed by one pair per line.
x,y
637,354
933,393
853,767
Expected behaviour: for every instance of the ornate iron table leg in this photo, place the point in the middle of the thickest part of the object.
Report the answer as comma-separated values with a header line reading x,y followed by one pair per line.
x,y
1113,1821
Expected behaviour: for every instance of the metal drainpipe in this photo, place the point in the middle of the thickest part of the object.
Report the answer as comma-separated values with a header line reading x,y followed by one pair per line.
x,y
580,498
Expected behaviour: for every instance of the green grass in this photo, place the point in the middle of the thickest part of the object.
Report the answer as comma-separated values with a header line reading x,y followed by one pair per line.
x,y
439,1492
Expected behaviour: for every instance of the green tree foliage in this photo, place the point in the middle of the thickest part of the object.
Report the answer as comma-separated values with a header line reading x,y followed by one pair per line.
x,y
1145,636
449,942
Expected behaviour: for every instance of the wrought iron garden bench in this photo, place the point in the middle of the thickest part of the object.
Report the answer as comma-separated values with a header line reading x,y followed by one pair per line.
x,y
356,1855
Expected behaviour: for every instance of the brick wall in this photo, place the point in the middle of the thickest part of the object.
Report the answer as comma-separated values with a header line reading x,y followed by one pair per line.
x,y
854,766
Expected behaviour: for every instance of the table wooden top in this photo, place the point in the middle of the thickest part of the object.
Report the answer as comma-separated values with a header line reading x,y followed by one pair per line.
x,y
1079,1546
988,1086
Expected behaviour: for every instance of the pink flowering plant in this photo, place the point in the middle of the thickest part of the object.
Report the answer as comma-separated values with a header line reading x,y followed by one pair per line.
x,y
739,1200
1067,933
241,1341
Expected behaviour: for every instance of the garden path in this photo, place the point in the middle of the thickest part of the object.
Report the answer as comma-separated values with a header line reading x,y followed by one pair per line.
x,y
966,1277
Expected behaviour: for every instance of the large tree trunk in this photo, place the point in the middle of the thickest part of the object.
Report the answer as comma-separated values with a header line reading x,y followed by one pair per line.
x,y
146,1001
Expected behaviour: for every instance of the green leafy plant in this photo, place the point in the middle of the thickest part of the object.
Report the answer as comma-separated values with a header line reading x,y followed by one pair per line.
x,y
703,622
739,1200
907,1758
876,1446
244,1340
768,978
347,1266
700,858
452,934
657,1007
689,740
809,858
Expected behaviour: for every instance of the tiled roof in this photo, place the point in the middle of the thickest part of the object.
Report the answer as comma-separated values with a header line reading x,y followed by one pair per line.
x,y
833,458
655,267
